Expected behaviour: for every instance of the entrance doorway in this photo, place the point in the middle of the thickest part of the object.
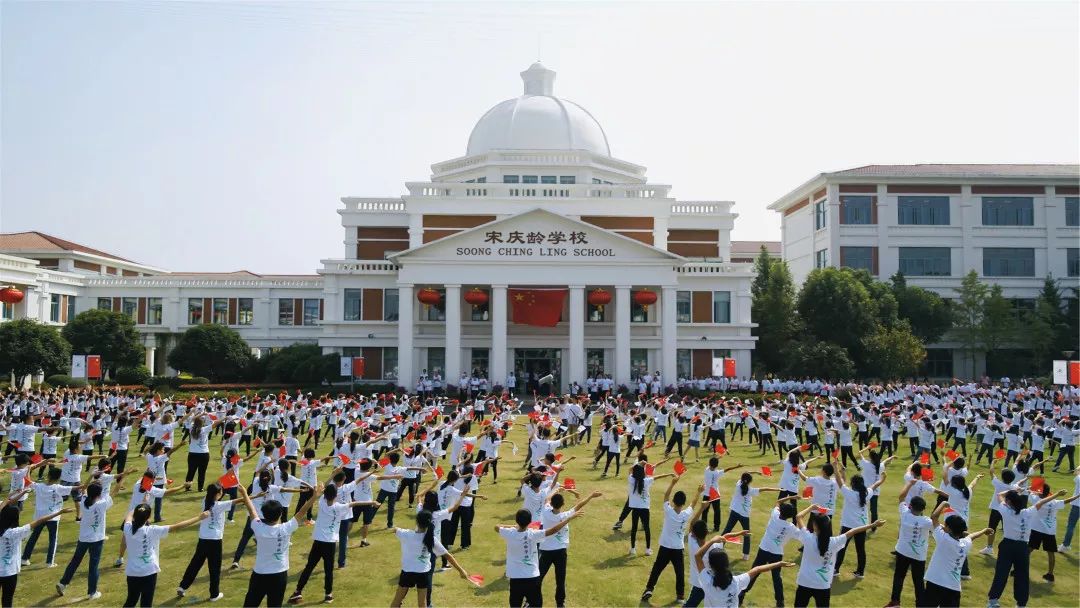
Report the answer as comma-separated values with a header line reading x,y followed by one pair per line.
x,y
531,364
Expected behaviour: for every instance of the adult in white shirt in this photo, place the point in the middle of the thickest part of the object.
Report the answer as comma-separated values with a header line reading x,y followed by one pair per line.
x,y
12,536
819,557
522,560
270,574
911,544
208,549
720,586
418,548
91,539
740,506
952,545
856,513
672,540
48,498
324,538
778,532
553,548
145,542
1013,552
638,485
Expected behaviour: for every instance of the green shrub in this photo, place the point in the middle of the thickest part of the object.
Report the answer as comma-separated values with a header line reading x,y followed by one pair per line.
x,y
137,374
163,382
65,381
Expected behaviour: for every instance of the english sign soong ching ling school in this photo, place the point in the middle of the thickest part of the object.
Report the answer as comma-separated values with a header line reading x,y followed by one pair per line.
x,y
553,244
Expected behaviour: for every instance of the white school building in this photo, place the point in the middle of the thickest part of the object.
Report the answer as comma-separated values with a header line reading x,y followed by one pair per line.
x,y
536,252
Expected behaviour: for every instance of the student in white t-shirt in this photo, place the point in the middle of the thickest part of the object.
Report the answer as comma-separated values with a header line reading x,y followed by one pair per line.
x,y
721,588
819,557
553,548
522,559
12,536
785,522
912,543
1044,528
856,512
270,574
324,538
952,545
672,539
208,549
740,506
417,548
145,563
91,539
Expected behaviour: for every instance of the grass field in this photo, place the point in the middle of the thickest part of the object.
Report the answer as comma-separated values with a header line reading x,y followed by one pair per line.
x,y
600,571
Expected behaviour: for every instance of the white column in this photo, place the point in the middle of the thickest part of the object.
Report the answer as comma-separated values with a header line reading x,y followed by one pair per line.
x,y
453,334
151,351
668,333
406,317
577,335
497,363
622,334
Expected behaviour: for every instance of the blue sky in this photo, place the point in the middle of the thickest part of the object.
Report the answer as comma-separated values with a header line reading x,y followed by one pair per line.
x,y
209,136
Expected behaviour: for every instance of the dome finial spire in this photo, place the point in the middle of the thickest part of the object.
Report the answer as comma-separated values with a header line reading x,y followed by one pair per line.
x,y
539,80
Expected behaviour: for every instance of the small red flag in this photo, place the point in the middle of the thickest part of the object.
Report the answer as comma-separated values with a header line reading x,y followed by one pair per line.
x,y
680,468
229,480
167,436
720,450
478,470
836,453
941,444
384,461
873,444
569,484
822,510
112,446
36,458
927,474
438,472
146,484
649,444
766,471
234,460
998,455
804,447
948,510
27,482
649,469
281,451
534,525
469,448
924,458
257,442
807,492
344,459
558,457
714,494
951,455
733,538
477,578
1037,484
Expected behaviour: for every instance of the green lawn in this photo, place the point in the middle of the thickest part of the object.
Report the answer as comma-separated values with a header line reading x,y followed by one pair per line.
x,y
601,573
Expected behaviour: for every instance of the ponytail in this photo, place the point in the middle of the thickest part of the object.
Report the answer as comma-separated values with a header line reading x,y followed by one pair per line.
x,y
139,517
744,484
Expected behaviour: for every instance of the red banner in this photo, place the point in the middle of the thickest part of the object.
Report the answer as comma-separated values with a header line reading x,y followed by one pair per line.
x,y
358,367
1074,373
729,368
539,307
93,366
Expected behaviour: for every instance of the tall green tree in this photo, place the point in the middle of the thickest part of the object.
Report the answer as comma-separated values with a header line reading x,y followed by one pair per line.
x,y
927,313
836,307
763,264
28,347
1045,329
968,311
999,324
214,351
893,352
301,364
108,333
819,360
773,311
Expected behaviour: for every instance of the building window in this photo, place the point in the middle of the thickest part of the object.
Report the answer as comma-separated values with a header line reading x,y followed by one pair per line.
x,y
390,305
435,312
925,261
548,179
1008,262
567,179
245,311
1008,211
481,180
821,214
311,311
194,311
938,363
1072,261
638,313
436,360
7,311
54,308
922,210
594,361
683,363
639,362
682,306
130,307
478,362
529,179
510,179
1072,211
721,307
221,311
1022,307
389,362
285,312
859,258
351,309
70,308
104,303
154,311
856,210
594,314
821,258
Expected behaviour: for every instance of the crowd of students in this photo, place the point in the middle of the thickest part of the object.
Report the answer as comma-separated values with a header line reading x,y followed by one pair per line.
x,y
832,444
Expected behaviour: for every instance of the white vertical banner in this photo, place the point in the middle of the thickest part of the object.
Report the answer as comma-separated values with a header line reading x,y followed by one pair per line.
x,y
718,367
1061,372
346,366
78,366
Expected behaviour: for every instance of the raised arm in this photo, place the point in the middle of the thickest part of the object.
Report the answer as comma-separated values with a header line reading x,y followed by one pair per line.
x,y
180,525
904,491
867,527
671,486
561,524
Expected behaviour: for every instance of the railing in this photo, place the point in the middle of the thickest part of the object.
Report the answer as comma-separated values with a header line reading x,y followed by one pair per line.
x,y
521,190
347,267
712,268
371,205
165,281
686,208
538,157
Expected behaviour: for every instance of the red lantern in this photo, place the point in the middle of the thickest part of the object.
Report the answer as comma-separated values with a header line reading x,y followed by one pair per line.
x,y
599,298
645,298
476,297
428,296
11,295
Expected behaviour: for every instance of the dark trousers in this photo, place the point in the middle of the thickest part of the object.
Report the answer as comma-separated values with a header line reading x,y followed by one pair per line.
x,y
664,557
641,515
918,569
525,590
1013,555
270,587
119,461
7,589
557,558
245,536
320,550
196,465
304,497
141,590
734,518
612,456
465,519
803,595
1070,526
766,557
411,484
391,499
697,596
35,533
676,440
860,551
1066,450
936,596
714,506
343,541
208,550
81,549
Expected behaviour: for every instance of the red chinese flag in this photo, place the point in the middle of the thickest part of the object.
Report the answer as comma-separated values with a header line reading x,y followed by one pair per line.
x,y
649,444
229,480
1074,373
93,366
569,484
947,510
680,468
558,457
438,472
836,453
733,538
822,510
469,447
804,447
873,444
941,444
807,492
281,452
998,455
344,459
534,525
146,484
234,460
927,474
729,368
766,471
1037,484
539,307
305,462
384,461
478,470
820,418
649,469
720,450
714,494
951,455
477,578
112,446
36,458
924,458
27,482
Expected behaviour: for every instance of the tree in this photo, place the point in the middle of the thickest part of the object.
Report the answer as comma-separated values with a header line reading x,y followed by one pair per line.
x,y
819,360
893,352
773,309
998,327
927,313
213,351
28,347
301,364
836,307
881,295
763,265
968,312
108,333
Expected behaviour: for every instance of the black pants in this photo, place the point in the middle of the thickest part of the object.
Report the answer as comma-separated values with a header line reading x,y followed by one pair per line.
x,y
268,586
860,551
804,594
936,596
305,495
962,444
557,558
7,589
845,453
641,515
411,484
119,461
664,557
918,570
767,557
245,537
524,590
714,506
465,519
141,590
209,551
735,518
676,440
987,449
391,498
196,464
320,550
1013,555
1066,450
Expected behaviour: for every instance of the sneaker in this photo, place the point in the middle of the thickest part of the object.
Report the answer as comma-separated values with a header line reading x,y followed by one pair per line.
x,y
365,543
296,598
1048,577
617,526
745,557
329,598
892,604
26,562
645,596
60,588
633,551
965,577
119,562
180,591
217,597
993,604
1064,549
93,596
857,574
50,565
235,566
987,551
648,551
